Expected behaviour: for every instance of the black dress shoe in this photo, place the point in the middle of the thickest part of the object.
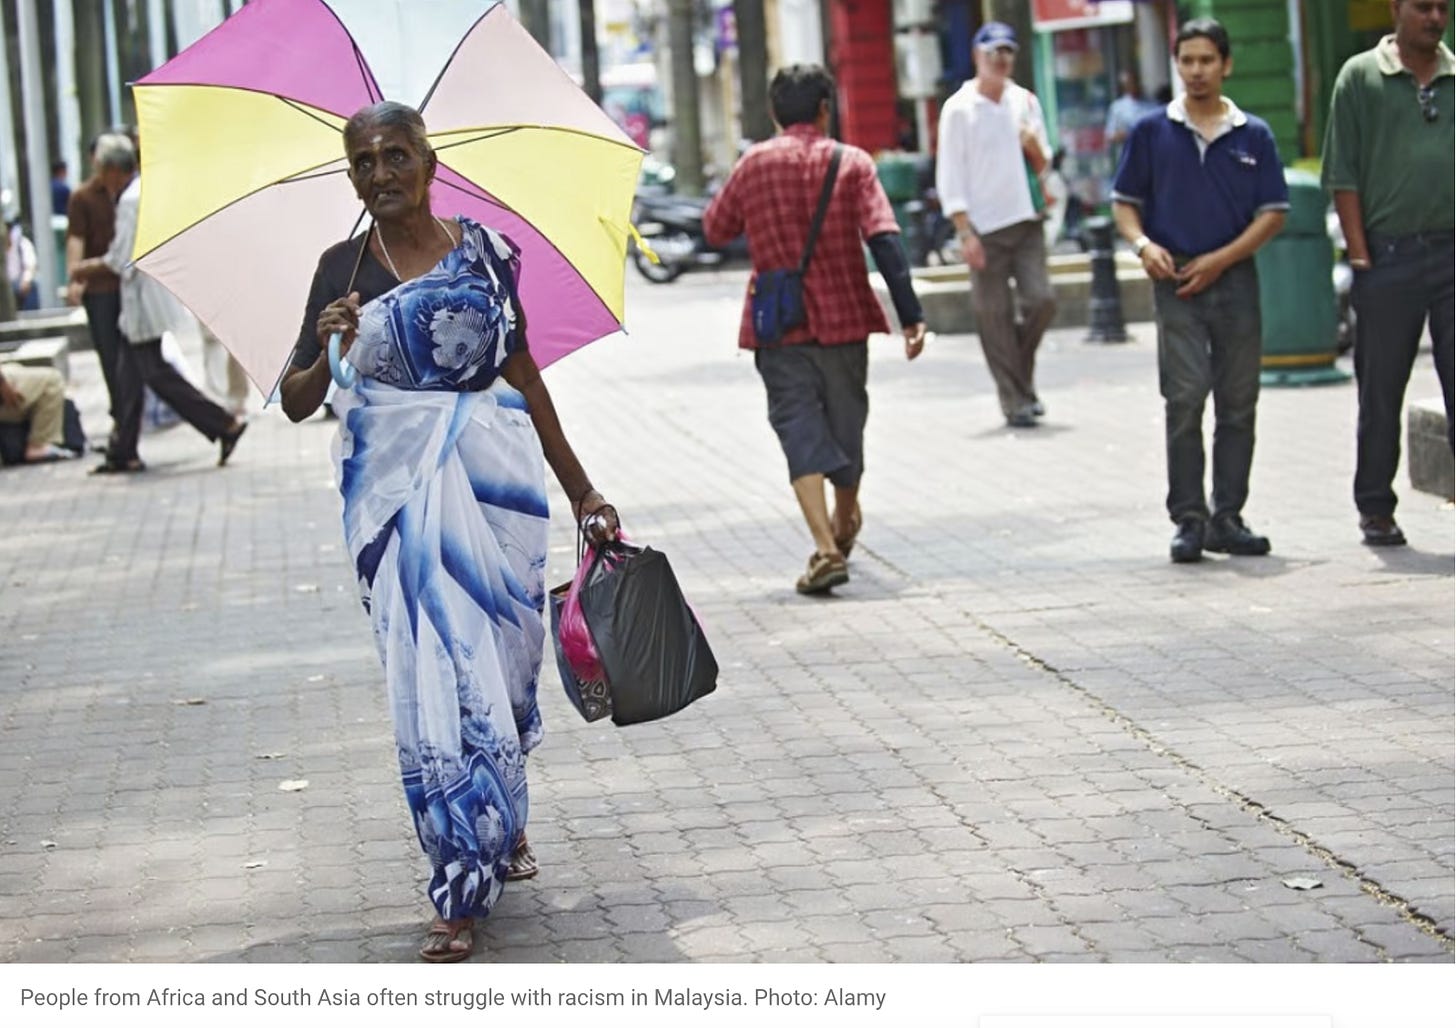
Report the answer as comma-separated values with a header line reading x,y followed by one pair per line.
x,y
227,443
1380,530
1187,545
1227,533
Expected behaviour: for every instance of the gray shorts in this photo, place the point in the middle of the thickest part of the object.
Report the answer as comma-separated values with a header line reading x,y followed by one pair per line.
x,y
818,405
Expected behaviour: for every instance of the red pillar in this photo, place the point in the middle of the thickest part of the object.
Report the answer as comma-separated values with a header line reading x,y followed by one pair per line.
x,y
863,55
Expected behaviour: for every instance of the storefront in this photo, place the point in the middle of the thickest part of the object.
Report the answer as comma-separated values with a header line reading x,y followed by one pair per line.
x,y
1081,48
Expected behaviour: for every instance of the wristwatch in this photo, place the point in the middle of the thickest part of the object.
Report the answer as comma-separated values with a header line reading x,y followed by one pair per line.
x,y
1139,245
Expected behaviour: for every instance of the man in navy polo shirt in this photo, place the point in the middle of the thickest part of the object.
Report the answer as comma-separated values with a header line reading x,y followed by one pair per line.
x,y
1199,190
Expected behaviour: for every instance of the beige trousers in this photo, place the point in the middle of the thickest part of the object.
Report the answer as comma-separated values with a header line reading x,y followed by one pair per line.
x,y
44,393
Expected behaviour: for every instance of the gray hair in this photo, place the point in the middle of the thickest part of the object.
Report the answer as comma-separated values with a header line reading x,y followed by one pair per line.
x,y
388,114
116,152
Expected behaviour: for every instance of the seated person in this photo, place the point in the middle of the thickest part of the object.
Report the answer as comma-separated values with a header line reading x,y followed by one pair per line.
x,y
36,395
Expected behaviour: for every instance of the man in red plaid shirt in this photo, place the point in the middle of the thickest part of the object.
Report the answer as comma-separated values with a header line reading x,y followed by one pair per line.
x,y
815,375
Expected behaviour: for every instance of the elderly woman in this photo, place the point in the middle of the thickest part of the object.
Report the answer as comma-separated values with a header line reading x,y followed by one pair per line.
x,y
440,465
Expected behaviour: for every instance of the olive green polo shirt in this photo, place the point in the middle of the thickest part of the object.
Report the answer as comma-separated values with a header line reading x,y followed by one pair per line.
x,y
1381,146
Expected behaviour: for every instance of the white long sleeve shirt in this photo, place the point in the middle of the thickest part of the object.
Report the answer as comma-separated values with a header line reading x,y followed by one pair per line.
x,y
148,309
980,168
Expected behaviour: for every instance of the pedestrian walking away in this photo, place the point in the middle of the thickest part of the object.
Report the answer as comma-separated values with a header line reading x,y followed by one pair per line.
x,y
147,312
1199,190
1390,161
439,461
815,374
90,227
1130,107
993,151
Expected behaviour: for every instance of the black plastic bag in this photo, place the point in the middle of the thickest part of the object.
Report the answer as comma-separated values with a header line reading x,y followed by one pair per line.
x,y
654,652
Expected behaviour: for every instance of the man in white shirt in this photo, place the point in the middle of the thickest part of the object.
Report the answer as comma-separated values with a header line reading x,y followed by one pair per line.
x,y
993,150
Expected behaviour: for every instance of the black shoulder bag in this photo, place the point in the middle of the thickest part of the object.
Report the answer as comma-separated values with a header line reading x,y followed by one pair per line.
x,y
777,296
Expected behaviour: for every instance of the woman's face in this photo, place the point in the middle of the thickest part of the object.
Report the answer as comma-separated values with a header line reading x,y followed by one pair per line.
x,y
388,174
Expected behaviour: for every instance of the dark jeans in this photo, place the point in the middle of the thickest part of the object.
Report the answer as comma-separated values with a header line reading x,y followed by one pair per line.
x,y
103,311
1410,280
142,364
1210,342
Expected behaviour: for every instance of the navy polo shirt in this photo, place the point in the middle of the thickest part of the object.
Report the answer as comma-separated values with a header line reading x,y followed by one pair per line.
x,y
1194,197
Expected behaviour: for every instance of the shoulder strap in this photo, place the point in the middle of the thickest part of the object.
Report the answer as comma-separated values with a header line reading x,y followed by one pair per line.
x,y
819,212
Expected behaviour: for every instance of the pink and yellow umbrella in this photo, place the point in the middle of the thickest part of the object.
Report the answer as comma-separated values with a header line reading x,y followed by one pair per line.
x,y
245,182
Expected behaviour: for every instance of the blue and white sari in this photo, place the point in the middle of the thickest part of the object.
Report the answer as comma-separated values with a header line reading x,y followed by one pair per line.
x,y
445,520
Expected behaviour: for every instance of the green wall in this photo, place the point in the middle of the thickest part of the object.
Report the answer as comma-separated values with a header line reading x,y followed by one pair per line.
x,y
1263,78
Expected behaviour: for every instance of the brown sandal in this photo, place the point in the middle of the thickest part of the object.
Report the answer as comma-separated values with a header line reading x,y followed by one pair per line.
x,y
447,944
523,863
824,572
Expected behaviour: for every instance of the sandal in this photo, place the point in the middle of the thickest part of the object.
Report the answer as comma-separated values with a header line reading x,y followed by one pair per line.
x,y
448,945
825,571
51,454
523,863
846,543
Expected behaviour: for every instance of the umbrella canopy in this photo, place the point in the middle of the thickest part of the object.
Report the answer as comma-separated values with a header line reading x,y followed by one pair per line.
x,y
245,181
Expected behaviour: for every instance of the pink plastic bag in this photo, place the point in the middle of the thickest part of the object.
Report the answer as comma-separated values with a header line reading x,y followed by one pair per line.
x,y
576,640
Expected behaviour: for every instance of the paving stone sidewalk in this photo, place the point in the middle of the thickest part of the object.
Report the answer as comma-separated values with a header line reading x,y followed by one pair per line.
x,y
1018,734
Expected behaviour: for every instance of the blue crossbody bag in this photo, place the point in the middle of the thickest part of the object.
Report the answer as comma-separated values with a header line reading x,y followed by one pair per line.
x,y
778,295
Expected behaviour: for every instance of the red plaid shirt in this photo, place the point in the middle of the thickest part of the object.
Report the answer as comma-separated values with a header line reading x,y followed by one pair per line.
x,y
772,194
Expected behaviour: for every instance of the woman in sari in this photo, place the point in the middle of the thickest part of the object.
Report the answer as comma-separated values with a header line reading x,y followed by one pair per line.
x,y
439,461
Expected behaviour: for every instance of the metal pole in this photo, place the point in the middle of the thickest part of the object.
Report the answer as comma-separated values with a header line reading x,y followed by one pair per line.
x,y
9,167
157,32
113,69
68,105
1104,307
36,151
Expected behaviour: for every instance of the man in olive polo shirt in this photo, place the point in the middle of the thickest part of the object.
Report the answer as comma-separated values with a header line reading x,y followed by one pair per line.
x,y
1389,161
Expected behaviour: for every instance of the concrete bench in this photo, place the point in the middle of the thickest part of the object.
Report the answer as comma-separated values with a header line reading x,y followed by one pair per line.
x,y
51,352
945,293
1428,454
69,322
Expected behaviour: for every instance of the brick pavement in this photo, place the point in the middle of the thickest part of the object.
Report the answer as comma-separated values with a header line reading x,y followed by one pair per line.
x,y
1018,734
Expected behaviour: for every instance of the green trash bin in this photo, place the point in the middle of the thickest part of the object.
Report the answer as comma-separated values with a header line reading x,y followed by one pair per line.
x,y
1296,294
900,175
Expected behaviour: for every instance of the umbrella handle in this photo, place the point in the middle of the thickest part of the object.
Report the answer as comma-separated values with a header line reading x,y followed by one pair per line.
x,y
344,374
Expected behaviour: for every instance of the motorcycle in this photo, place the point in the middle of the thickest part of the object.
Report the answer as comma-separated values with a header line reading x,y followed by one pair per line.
x,y
930,237
672,226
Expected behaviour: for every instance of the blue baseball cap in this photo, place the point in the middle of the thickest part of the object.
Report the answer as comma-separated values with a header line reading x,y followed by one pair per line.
x,y
995,34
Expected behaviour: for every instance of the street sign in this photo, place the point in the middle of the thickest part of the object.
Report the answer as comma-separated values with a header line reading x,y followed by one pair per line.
x,y
1055,15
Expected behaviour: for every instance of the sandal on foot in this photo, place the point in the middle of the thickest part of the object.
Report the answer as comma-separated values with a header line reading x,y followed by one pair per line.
x,y
846,543
448,945
51,454
523,863
825,571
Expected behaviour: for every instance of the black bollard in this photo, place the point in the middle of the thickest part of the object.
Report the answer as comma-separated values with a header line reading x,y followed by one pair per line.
x,y
1104,307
